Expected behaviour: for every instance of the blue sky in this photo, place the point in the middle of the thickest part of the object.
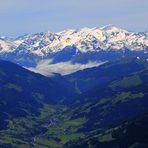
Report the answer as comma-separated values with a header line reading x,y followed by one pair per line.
x,y
18,17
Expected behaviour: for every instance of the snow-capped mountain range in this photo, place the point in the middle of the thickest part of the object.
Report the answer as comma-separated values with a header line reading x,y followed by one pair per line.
x,y
72,45
85,39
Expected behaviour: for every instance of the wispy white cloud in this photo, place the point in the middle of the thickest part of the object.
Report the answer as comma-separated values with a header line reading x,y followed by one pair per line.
x,y
46,68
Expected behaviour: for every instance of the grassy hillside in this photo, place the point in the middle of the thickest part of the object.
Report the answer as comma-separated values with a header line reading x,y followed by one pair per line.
x,y
23,92
86,79
130,134
37,111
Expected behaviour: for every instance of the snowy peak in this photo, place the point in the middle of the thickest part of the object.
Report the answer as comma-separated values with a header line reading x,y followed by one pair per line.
x,y
7,45
112,28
